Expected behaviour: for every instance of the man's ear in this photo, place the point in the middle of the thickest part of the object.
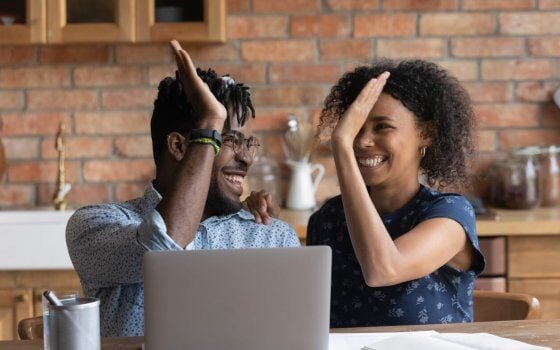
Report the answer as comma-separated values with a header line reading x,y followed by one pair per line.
x,y
176,145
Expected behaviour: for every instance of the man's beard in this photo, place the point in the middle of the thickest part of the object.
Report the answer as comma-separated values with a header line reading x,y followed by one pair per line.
x,y
218,203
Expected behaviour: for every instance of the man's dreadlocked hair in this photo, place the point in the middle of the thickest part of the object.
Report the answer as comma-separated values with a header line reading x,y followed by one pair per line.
x,y
172,111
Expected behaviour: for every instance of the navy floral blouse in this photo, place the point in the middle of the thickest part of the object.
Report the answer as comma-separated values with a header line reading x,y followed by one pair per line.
x,y
443,296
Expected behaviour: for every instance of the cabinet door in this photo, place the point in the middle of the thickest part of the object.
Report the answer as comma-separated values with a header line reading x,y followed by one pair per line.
x,y
547,290
86,21
23,22
15,305
192,21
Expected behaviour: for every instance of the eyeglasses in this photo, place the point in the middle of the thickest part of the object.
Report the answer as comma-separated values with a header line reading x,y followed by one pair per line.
x,y
236,140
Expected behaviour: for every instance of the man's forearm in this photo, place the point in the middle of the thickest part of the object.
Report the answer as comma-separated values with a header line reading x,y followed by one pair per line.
x,y
183,204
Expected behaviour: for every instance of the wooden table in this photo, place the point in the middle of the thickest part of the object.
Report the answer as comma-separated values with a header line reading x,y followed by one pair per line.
x,y
536,332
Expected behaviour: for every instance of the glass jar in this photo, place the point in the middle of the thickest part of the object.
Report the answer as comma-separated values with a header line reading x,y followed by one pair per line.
x,y
515,182
263,175
550,171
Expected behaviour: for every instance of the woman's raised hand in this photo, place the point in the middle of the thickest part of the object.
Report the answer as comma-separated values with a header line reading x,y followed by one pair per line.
x,y
212,113
262,206
356,115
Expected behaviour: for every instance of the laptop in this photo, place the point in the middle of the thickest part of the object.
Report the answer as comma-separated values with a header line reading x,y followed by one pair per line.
x,y
239,299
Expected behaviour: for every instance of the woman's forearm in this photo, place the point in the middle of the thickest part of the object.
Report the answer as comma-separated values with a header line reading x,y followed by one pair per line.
x,y
374,248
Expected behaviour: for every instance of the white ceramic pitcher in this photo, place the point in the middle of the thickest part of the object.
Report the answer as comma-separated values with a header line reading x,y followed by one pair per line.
x,y
301,195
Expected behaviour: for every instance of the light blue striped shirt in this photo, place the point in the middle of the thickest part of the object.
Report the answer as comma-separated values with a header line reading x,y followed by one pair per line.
x,y
107,242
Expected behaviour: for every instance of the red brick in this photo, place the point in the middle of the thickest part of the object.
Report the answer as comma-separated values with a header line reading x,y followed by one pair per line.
x,y
414,5
288,96
79,147
518,138
211,52
79,195
133,146
548,46
61,99
278,50
21,147
17,54
244,73
16,195
549,5
486,140
487,47
234,6
108,76
461,69
304,73
249,27
74,54
112,123
507,115
535,91
129,98
353,4
122,170
488,92
497,5
39,123
271,118
287,6
530,23
127,191
320,26
42,172
143,53
384,25
413,48
34,77
516,69
274,146
359,49
11,100
550,115
448,24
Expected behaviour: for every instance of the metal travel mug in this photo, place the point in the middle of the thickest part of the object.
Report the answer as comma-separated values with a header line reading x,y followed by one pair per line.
x,y
72,325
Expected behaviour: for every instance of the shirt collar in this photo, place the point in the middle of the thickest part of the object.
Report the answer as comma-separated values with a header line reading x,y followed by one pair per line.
x,y
242,214
151,197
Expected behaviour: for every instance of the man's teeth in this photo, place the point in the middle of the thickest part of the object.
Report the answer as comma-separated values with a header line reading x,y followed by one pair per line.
x,y
371,162
236,179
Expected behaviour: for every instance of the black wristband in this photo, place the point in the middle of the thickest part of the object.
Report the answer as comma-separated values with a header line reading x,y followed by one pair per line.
x,y
206,134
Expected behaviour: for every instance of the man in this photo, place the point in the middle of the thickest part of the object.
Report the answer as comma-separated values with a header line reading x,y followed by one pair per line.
x,y
193,203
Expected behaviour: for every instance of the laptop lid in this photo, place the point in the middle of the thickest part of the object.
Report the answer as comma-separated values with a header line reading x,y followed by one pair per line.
x,y
251,299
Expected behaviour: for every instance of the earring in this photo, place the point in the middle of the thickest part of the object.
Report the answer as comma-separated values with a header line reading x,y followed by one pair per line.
x,y
422,152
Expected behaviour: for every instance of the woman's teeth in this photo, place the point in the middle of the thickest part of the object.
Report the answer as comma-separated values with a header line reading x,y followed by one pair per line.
x,y
371,162
235,179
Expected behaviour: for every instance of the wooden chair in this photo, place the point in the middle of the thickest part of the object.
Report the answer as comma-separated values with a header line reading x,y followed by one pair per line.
x,y
31,328
500,306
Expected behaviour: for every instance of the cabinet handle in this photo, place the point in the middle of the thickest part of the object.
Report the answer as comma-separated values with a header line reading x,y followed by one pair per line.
x,y
22,298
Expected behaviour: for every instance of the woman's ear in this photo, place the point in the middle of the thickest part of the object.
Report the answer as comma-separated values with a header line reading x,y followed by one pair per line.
x,y
176,145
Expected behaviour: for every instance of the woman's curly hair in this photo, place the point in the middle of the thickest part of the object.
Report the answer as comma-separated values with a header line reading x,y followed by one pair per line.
x,y
440,104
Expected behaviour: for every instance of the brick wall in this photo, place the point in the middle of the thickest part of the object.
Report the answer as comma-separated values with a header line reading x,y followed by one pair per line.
x,y
506,52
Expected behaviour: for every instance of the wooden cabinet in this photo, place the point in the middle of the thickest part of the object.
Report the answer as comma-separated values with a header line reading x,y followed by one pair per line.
x,y
31,30
20,295
95,21
210,27
108,21
15,304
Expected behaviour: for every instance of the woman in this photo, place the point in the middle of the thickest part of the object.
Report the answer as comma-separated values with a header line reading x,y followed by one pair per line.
x,y
403,253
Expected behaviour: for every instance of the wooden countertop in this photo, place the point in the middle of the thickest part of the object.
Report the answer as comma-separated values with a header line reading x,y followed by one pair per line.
x,y
540,221
536,332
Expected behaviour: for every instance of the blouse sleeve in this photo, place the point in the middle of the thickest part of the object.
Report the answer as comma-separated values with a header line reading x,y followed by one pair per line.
x,y
459,209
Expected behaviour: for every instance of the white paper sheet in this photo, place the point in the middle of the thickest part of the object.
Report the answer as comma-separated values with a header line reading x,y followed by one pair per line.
x,y
425,340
